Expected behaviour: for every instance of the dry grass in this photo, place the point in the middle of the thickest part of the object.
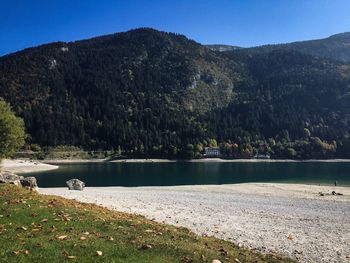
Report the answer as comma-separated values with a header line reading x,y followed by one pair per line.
x,y
35,228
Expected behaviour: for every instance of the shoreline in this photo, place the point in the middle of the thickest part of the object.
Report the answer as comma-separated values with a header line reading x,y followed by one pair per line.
x,y
25,166
269,160
204,160
290,219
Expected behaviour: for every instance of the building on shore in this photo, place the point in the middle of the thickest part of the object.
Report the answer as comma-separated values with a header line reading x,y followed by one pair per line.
x,y
212,152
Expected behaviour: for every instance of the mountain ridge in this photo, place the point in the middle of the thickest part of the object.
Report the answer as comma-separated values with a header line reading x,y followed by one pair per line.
x,y
334,47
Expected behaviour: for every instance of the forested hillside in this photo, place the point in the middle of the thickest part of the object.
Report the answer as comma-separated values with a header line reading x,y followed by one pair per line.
x,y
298,101
157,94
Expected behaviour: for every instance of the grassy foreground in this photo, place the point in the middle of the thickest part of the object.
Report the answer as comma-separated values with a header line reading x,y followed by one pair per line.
x,y
35,228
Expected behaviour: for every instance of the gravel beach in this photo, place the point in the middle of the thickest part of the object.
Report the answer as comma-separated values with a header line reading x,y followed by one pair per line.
x,y
25,166
290,219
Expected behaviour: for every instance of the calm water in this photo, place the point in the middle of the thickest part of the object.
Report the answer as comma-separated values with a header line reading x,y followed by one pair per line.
x,y
182,173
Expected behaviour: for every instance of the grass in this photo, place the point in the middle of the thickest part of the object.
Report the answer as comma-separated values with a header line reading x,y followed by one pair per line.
x,y
35,228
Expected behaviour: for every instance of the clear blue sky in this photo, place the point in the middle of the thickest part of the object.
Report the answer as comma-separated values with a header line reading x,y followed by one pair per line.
x,y
26,23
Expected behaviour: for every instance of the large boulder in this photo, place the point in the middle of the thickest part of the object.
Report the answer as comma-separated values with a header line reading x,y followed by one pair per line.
x,y
29,183
10,178
75,184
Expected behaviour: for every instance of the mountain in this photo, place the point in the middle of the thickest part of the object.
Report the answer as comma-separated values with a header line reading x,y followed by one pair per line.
x,y
158,94
335,47
131,90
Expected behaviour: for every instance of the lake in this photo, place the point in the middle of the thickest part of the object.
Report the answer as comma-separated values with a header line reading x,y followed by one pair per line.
x,y
188,173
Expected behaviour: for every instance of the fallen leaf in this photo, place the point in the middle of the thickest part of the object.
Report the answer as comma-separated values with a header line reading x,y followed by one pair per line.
x,y
71,257
17,252
146,246
97,234
187,259
290,237
53,229
62,237
45,220
223,252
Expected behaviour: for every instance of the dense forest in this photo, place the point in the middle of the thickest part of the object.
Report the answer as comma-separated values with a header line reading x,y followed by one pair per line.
x,y
147,93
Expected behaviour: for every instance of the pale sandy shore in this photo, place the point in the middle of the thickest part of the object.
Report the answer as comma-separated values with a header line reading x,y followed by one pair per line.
x,y
25,166
289,219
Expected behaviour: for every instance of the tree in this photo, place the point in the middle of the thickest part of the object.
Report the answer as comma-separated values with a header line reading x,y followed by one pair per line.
x,y
11,131
213,143
307,133
198,150
291,153
189,154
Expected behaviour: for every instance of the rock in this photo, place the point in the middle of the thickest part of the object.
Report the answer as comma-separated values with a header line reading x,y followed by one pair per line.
x,y
29,183
75,184
10,178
